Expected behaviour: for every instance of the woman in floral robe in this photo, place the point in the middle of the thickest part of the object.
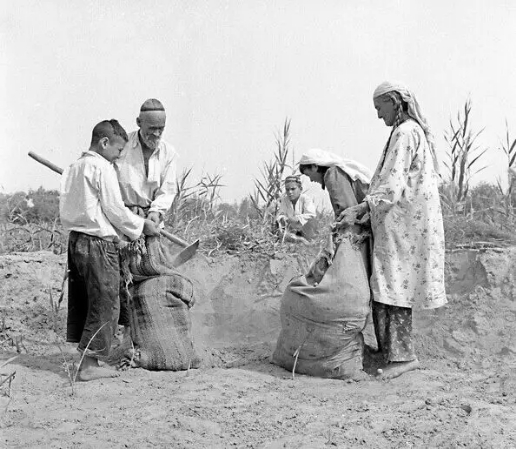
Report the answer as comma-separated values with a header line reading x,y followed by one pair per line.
x,y
407,228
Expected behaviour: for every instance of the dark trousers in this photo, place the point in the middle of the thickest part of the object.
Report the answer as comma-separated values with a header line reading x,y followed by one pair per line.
x,y
393,329
93,293
125,308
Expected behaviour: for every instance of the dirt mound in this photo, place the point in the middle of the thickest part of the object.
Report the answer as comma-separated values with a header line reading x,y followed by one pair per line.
x,y
30,287
464,395
235,319
237,315
477,327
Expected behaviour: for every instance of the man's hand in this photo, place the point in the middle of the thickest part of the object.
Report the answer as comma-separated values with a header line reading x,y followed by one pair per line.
x,y
154,217
150,228
282,221
293,221
294,224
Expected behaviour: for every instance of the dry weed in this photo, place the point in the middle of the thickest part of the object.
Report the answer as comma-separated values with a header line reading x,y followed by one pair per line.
x,y
6,382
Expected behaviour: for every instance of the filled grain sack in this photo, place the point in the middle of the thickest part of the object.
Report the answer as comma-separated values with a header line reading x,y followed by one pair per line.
x,y
324,313
156,302
161,327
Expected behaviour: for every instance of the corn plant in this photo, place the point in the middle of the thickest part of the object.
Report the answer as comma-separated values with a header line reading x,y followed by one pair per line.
x,y
183,193
464,155
209,192
194,202
32,237
268,188
509,148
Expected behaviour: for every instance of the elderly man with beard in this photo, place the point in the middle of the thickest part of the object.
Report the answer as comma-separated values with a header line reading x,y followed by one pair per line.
x,y
147,166
146,171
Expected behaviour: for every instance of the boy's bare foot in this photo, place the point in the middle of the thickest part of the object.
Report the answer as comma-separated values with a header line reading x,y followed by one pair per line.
x,y
396,369
93,373
91,370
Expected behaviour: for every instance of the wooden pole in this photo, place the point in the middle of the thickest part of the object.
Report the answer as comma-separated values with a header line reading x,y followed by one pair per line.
x,y
173,238
46,163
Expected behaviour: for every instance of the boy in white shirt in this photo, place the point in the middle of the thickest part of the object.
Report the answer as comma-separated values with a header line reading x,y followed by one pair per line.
x,y
296,212
91,208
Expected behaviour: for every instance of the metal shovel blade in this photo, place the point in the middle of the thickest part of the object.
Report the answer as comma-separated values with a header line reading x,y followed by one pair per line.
x,y
186,254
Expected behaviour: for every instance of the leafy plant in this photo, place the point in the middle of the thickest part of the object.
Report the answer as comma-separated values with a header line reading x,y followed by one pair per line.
x,y
268,188
195,202
183,193
464,156
509,148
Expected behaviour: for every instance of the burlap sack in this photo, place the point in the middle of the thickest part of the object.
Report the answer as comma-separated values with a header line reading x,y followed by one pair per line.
x,y
324,322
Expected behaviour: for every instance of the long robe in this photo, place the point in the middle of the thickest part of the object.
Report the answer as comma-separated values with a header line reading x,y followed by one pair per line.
x,y
407,224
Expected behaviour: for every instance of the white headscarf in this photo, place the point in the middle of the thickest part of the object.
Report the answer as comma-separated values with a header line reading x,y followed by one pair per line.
x,y
414,111
323,158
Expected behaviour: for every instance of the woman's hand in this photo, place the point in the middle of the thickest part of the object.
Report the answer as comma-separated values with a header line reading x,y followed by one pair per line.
x,y
352,215
347,218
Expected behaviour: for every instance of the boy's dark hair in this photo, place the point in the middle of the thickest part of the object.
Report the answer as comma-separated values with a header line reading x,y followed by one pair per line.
x,y
320,168
109,129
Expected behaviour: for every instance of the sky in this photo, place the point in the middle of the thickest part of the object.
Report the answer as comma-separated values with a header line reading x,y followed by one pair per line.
x,y
230,72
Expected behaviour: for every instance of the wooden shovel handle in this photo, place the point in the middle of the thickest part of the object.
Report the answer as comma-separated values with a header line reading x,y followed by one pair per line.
x,y
173,238
46,163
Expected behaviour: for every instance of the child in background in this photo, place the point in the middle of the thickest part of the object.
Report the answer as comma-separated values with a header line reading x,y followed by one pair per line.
x,y
296,213
92,210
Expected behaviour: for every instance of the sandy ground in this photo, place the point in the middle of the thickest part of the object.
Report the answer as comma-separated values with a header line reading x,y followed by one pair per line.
x,y
464,395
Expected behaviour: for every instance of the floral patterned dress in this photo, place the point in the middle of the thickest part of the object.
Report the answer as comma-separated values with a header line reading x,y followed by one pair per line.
x,y
407,225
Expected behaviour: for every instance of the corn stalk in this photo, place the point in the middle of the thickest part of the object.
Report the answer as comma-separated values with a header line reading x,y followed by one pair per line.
x,y
268,187
195,202
183,193
509,148
464,155
209,190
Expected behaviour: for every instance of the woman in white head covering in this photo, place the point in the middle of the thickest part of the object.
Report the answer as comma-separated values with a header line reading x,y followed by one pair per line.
x,y
345,179
407,227
328,308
